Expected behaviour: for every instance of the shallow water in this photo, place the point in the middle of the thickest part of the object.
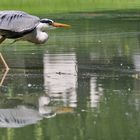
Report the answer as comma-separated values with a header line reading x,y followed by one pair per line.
x,y
82,85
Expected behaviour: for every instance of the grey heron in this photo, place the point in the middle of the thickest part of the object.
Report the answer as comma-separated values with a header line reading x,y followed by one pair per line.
x,y
23,26
20,25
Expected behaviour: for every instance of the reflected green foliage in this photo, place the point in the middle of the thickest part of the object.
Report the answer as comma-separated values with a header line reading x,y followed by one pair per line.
x,y
61,6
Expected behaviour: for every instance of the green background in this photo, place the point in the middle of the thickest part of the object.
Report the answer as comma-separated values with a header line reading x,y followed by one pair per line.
x,y
63,6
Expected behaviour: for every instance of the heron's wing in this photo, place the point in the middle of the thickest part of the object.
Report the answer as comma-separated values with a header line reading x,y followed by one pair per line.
x,y
17,21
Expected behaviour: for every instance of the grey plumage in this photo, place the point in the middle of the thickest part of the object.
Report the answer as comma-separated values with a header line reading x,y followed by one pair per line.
x,y
18,117
15,24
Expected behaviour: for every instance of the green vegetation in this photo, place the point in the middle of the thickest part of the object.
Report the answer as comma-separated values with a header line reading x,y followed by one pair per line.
x,y
64,6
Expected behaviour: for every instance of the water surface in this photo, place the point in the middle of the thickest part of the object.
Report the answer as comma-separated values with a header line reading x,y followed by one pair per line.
x,y
82,85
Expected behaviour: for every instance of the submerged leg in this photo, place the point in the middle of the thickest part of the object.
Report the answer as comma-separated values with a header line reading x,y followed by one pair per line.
x,y
4,62
2,39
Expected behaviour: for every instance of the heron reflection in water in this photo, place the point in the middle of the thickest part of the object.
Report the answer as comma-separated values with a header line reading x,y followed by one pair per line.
x,y
19,25
22,116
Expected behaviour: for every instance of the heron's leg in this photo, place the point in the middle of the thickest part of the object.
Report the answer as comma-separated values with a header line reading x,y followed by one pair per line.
x,y
4,62
12,42
2,39
18,39
3,77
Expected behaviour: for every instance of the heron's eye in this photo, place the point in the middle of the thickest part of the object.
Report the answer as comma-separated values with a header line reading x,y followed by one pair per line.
x,y
47,21
50,22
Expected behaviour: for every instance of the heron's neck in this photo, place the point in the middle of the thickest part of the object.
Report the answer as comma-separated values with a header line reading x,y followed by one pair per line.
x,y
42,26
41,35
43,102
37,36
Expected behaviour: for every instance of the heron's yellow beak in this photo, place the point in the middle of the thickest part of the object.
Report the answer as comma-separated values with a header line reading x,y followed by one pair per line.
x,y
55,24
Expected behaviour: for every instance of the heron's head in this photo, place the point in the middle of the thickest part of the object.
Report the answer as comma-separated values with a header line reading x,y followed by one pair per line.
x,y
48,23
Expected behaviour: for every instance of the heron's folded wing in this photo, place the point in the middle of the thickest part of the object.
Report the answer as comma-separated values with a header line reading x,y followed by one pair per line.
x,y
17,21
